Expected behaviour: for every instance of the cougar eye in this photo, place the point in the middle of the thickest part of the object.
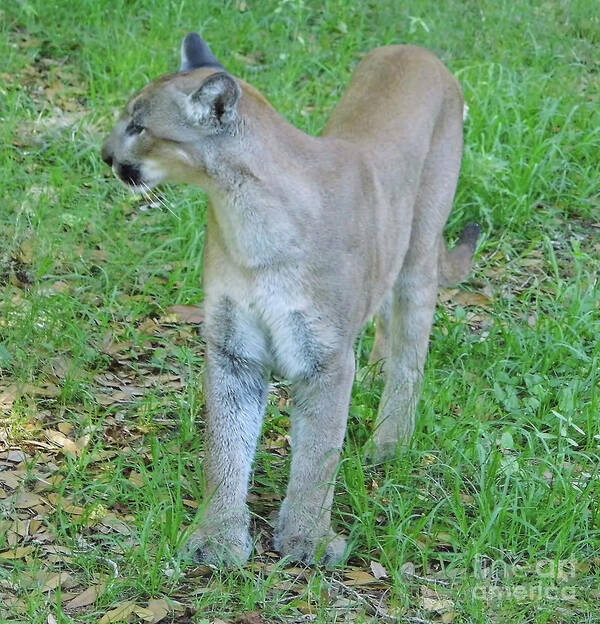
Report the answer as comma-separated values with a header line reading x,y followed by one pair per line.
x,y
134,128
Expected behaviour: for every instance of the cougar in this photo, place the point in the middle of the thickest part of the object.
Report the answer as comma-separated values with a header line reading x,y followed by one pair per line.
x,y
307,239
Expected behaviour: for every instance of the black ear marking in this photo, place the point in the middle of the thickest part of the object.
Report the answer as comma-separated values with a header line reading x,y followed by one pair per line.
x,y
219,109
195,53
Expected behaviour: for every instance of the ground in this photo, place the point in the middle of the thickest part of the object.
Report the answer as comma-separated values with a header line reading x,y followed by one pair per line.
x,y
492,513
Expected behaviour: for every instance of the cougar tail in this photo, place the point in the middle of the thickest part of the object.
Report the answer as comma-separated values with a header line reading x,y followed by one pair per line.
x,y
455,265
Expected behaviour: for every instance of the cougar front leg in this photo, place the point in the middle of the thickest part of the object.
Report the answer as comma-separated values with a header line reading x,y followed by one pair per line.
x,y
235,401
319,419
413,305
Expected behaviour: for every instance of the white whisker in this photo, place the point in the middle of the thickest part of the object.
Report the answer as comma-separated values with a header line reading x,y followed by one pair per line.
x,y
158,199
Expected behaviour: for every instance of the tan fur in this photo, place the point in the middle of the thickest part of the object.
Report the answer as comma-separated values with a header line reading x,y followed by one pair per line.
x,y
307,237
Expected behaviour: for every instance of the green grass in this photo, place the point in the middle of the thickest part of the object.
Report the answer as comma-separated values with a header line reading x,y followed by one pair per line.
x,y
498,495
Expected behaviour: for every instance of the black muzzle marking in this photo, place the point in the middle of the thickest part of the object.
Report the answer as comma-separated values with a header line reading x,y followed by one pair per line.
x,y
130,174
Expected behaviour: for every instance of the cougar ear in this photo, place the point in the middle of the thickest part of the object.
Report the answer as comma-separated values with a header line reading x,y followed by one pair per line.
x,y
196,53
215,101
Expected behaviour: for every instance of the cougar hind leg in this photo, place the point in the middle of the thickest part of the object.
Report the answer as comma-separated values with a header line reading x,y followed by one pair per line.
x,y
454,266
413,303
404,336
381,344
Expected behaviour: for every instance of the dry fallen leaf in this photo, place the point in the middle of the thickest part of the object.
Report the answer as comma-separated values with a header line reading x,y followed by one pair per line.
x,y
61,440
16,456
437,604
253,617
21,527
379,572
26,252
16,553
65,428
136,479
116,524
26,500
47,391
11,478
159,609
83,441
120,614
359,577
186,314
60,286
408,568
55,580
466,298
86,597
143,613
305,607
109,347
8,396
65,504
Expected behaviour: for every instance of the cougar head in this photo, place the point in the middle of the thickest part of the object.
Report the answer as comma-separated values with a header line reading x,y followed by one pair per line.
x,y
175,127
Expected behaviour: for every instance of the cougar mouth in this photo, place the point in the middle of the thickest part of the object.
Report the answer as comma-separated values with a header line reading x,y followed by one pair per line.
x,y
137,178
129,174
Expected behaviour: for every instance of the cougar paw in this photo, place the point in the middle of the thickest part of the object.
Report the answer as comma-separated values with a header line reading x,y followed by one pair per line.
x,y
380,453
327,550
220,549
